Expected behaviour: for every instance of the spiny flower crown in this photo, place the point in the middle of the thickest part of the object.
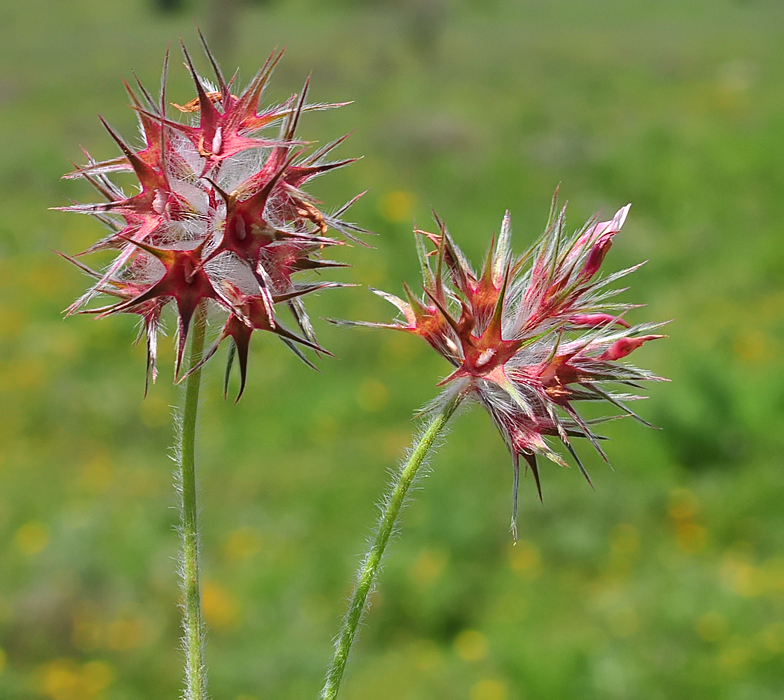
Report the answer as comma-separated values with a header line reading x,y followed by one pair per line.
x,y
220,215
529,337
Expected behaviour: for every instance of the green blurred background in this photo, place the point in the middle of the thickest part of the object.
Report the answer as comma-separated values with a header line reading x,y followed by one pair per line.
x,y
666,582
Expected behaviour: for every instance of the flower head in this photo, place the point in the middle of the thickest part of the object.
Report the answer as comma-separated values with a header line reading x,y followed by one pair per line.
x,y
220,216
529,337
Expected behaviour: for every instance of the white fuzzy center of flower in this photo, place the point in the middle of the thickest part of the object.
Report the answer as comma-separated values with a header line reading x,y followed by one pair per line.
x,y
159,201
485,357
217,140
239,228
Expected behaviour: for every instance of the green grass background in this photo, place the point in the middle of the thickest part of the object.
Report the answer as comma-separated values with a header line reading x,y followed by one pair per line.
x,y
665,582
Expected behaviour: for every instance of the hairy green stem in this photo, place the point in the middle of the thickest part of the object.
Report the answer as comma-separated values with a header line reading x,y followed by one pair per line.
x,y
386,525
193,628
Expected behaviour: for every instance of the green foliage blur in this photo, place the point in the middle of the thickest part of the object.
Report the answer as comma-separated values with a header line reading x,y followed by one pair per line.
x,y
666,582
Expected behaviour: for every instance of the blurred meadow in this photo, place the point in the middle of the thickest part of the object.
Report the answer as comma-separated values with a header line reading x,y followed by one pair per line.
x,y
665,582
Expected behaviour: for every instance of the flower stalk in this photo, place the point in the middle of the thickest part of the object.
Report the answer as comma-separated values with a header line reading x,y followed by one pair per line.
x,y
390,512
220,222
192,625
527,338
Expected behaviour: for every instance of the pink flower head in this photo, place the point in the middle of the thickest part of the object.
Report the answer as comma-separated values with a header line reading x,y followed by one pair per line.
x,y
529,337
220,216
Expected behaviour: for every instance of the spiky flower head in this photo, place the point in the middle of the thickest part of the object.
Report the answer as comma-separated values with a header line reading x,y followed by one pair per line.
x,y
220,217
529,337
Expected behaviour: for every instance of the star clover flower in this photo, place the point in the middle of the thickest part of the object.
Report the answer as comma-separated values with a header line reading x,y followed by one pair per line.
x,y
220,215
529,337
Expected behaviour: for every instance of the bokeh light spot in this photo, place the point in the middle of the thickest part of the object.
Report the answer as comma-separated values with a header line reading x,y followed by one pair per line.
x,y
126,633
154,412
221,610
489,689
753,347
624,540
372,395
428,566
683,505
525,560
32,538
624,622
471,645
61,680
682,512
64,679
735,657
397,206
242,543
97,475
323,428
691,537
741,576
96,677
87,634
427,654
772,638
712,626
